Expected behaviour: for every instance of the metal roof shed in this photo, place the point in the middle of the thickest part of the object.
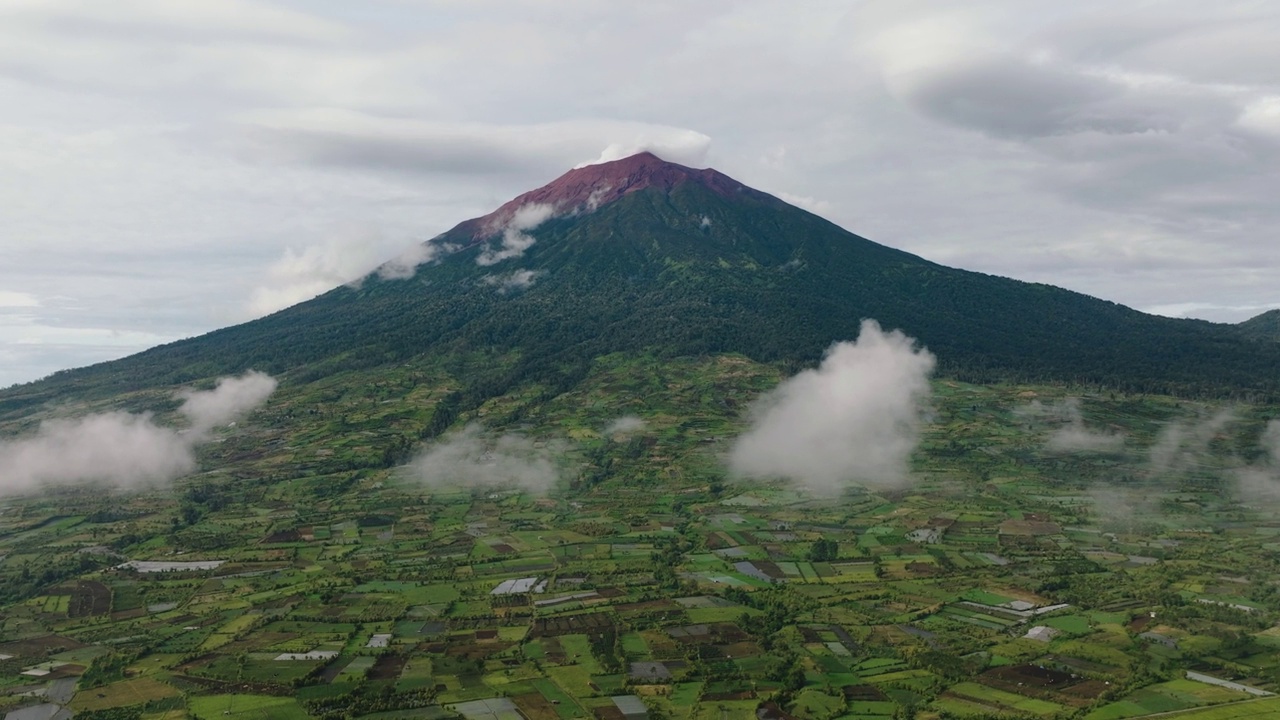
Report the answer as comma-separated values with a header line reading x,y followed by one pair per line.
x,y
632,707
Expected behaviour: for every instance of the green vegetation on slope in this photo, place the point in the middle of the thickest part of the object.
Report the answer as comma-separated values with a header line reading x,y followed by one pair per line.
x,y
665,579
762,279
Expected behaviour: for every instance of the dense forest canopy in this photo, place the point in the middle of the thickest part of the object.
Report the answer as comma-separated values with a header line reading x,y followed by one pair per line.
x,y
690,270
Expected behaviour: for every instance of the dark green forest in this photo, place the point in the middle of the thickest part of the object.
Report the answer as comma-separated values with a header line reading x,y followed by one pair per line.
x,y
760,278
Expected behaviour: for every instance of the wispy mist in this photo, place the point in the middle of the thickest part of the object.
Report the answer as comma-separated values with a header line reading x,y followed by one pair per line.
x,y
514,280
596,197
405,265
1073,436
625,425
125,449
515,237
1261,480
1183,445
854,419
475,457
1122,509
302,274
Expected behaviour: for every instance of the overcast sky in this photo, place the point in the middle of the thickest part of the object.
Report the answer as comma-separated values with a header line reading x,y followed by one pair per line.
x,y
173,166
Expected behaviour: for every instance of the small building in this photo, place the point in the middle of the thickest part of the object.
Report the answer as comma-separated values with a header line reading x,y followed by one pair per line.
x,y
1158,639
1041,633
518,586
631,707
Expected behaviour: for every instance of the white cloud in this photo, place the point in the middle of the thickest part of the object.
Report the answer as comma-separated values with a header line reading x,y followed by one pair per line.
x,y
230,398
406,264
1262,115
514,280
626,425
123,449
475,457
853,419
166,154
314,270
1070,434
686,147
1260,482
11,299
116,448
1183,445
515,233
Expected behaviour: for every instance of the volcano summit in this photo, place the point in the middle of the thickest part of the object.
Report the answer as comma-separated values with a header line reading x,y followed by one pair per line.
x,y
640,255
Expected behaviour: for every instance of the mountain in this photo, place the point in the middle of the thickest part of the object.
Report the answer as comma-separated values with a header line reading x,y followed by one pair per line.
x,y
1262,327
645,256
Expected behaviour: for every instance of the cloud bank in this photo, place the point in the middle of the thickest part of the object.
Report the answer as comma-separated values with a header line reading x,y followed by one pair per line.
x,y
124,449
854,419
474,457
354,139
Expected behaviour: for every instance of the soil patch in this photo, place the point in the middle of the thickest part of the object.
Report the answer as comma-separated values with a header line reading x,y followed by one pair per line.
x,y
89,598
388,667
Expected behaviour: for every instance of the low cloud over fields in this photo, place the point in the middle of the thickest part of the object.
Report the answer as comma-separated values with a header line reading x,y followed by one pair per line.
x,y
125,449
474,457
1072,435
1260,482
853,419
625,425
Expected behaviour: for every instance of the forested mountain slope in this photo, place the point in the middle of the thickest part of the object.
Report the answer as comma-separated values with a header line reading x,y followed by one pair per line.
x,y
645,255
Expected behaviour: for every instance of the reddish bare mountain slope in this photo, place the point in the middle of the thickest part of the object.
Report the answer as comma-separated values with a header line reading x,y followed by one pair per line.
x,y
590,187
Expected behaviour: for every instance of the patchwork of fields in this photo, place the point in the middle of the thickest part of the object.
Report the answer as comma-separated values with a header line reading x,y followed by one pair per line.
x,y
1002,583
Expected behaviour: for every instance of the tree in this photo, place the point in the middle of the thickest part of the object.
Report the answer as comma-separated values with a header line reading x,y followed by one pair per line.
x,y
824,550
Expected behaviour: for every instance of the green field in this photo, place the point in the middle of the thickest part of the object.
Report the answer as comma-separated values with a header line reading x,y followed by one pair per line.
x,y
650,540
247,706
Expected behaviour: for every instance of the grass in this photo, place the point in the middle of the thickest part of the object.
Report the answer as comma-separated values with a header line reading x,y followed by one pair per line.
x,y
326,594
1019,703
1263,709
1073,624
120,694
255,707
1117,711
564,703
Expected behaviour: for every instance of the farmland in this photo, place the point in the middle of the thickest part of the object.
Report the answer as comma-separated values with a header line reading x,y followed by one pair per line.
x,y
305,575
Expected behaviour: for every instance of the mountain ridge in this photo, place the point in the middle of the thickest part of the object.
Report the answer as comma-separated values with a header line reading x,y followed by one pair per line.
x,y
684,262
1265,326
